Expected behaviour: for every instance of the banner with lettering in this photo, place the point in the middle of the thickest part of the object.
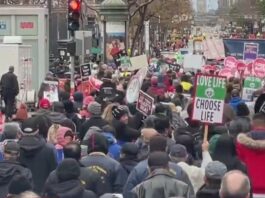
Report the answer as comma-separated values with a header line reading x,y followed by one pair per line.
x,y
251,84
209,100
145,103
239,49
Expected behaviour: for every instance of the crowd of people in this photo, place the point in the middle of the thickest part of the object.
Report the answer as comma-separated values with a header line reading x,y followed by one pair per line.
x,y
101,146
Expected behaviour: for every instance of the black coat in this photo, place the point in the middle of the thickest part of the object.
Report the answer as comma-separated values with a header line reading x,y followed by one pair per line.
x,y
9,85
125,133
96,121
112,174
68,189
39,157
208,192
9,169
90,180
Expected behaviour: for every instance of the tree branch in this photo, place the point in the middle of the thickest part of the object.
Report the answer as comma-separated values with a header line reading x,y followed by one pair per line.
x,y
140,6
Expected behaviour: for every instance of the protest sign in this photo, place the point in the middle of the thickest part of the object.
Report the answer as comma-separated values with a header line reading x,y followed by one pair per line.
x,y
230,62
251,51
133,89
85,71
241,67
125,62
209,100
259,67
145,103
226,72
138,62
51,91
251,84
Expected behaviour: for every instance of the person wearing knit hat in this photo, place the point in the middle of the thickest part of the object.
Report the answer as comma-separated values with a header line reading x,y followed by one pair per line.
x,y
35,153
19,184
94,108
11,131
10,168
44,104
214,173
105,166
120,113
95,120
160,180
141,171
68,173
128,158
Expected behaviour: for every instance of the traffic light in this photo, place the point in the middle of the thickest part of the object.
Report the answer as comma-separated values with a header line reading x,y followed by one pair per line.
x,y
74,12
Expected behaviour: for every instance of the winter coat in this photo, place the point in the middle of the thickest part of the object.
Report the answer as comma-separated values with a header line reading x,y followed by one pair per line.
x,y
225,152
196,174
251,151
38,157
89,179
68,189
208,192
112,174
114,147
160,184
124,133
239,125
156,91
9,169
128,163
96,121
234,102
141,171
9,85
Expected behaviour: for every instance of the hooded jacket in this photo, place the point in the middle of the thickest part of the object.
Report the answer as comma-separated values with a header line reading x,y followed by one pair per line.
x,y
38,157
9,169
234,102
140,172
89,179
251,151
159,184
112,174
114,147
211,191
68,189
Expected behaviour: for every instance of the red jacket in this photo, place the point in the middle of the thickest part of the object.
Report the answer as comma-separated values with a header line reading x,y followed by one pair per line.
x,y
155,91
252,152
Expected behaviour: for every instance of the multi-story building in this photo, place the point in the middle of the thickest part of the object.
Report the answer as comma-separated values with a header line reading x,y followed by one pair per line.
x,y
202,6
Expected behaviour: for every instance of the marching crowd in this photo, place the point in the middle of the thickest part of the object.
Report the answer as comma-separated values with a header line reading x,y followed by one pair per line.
x,y
101,146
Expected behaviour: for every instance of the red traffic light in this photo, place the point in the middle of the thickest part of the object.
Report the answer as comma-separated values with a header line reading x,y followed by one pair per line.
x,y
74,5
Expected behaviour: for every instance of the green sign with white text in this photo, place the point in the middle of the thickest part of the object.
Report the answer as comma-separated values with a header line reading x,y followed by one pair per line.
x,y
251,84
209,99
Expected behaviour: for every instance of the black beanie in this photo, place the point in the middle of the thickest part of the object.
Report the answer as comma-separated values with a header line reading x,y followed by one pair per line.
x,y
118,112
158,143
158,159
19,184
97,143
69,169
242,110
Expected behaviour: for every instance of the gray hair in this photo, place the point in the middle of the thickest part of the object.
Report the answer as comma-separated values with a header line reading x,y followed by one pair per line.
x,y
228,190
28,194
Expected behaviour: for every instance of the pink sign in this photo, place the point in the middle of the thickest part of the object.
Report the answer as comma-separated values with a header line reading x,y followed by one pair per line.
x,y
250,67
241,67
226,72
247,73
230,62
259,67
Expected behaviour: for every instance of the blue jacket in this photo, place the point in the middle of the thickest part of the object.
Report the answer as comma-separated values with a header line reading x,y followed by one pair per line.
x,y
114,147
234,102
141,172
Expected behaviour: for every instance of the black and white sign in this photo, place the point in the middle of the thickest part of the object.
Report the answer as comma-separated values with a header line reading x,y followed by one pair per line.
x,y
85,71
